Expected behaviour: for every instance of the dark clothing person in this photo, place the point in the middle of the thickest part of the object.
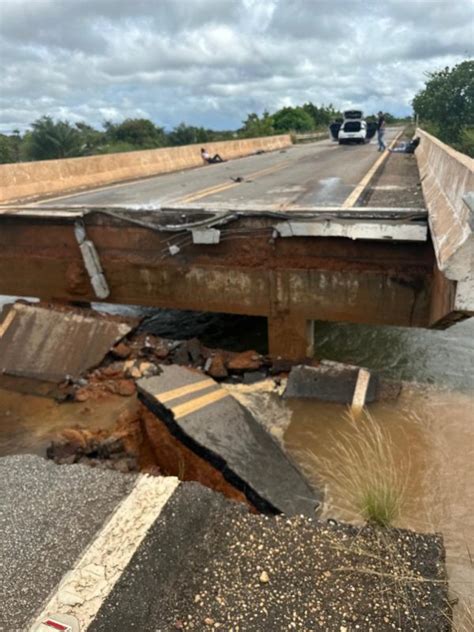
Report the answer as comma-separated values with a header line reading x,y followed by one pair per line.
x,y
412,145
381,132
406,148
210,159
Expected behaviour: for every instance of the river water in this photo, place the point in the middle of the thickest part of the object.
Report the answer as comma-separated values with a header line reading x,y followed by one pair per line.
x,y
431,427
431,424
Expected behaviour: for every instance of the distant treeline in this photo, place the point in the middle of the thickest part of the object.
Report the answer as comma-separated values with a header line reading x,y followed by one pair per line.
x,y
48,139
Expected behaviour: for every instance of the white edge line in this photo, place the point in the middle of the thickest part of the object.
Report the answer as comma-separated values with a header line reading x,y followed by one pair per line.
x,y
83,590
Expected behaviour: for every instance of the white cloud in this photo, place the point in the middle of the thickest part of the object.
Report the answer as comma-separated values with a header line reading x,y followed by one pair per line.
x,y
210,62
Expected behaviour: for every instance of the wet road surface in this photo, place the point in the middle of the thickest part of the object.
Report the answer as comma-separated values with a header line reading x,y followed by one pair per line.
x,y
316,174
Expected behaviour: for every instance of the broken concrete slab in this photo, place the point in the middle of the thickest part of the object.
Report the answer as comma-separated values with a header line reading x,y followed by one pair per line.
x,y
208,420
51,344
330,382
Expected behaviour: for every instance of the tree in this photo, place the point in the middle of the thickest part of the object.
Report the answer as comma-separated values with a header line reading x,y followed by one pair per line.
x,y
140,133
447,101
293,120
389,118
255,126
187,135
323,115
10,147
49,139
91,139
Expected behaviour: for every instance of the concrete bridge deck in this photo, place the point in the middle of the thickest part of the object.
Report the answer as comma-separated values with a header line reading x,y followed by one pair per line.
x,y
279,234
319,174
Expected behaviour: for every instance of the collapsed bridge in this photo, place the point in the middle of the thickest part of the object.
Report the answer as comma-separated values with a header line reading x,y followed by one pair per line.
x,y
290,240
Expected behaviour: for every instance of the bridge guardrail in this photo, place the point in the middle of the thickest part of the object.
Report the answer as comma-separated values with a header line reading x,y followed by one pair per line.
x,y
447,176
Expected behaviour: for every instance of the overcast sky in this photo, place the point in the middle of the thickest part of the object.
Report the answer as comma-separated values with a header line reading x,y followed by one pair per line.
x,y
210,62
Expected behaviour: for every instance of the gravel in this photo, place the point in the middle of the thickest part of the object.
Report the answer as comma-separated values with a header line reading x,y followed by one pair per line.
x,y
278,574
209,564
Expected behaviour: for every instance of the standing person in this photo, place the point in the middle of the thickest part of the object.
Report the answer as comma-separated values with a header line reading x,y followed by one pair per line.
x,y
381,131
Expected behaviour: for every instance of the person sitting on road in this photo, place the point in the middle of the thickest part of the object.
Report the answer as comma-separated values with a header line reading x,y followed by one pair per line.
x,y
210,159
406,148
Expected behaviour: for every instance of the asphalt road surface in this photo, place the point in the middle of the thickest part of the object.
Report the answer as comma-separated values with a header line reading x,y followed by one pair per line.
x,y
126,553
315,174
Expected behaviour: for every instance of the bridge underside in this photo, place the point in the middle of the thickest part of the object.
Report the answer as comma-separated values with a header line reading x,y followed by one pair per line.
x,y
251,270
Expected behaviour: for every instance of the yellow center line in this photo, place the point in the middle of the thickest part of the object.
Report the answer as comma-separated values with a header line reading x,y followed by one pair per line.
x,y
218,188
206,192
167,396
199,402
351,200
263,172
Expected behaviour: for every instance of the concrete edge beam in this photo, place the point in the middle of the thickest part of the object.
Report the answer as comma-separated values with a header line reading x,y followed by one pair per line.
x,y
356,229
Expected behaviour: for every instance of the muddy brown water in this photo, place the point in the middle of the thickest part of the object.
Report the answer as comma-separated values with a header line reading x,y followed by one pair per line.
x,y
28,423
432,436
431,425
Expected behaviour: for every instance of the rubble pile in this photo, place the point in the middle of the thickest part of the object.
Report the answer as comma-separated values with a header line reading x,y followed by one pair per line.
x,y
142,354
145,439
97,449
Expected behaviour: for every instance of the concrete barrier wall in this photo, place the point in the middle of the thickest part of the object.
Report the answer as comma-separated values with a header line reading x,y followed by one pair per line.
x,y
26,180
446,176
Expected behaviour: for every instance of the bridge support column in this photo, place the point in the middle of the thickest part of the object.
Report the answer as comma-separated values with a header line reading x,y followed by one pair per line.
x,y
290,336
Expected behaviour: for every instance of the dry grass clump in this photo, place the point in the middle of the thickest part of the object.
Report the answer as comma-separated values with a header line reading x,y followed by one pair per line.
x,y
466,617
361,471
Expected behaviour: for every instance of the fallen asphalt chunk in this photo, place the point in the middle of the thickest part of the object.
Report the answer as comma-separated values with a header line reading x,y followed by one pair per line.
x,y
330,382
209,421
207,563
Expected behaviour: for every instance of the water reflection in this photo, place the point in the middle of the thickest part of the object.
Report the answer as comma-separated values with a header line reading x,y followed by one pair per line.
x,y
444,358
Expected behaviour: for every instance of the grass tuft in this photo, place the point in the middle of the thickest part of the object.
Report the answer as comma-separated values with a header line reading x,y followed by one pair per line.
x,y
361,471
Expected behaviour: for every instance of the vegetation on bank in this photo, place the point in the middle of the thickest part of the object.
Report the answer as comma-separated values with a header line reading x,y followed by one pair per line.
x,y
445,106
363,473
48,139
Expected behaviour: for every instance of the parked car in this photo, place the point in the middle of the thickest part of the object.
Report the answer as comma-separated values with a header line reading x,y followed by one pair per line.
x,y
353,128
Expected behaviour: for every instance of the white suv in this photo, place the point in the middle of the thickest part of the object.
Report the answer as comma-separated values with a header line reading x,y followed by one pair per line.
x,y
352,129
